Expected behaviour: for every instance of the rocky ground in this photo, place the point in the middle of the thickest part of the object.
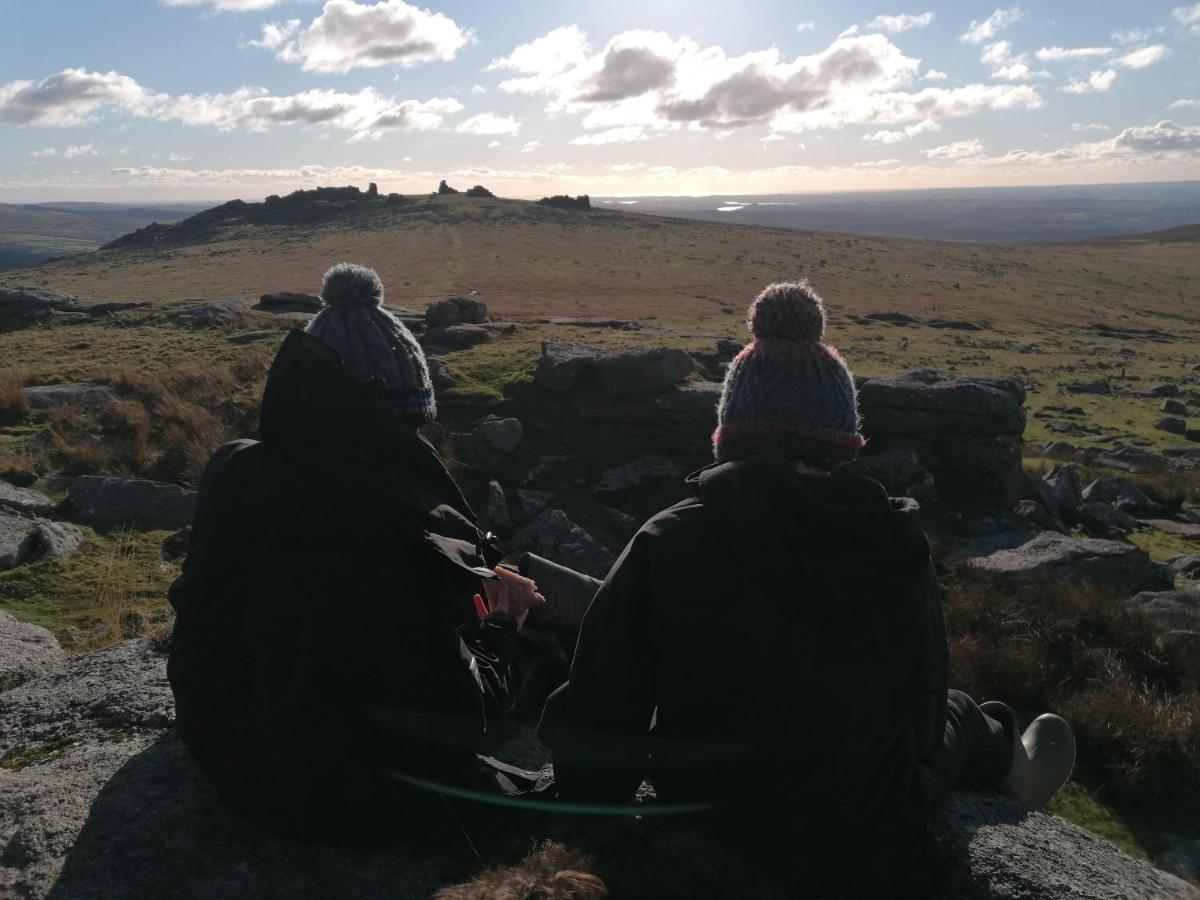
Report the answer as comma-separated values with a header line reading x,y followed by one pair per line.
x,y
99,799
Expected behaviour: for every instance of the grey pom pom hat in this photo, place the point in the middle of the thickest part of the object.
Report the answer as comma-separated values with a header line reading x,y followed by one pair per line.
x,y
377,351
787,393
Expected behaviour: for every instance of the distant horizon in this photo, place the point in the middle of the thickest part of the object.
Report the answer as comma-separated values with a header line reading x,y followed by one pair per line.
x,y
140,100
216,201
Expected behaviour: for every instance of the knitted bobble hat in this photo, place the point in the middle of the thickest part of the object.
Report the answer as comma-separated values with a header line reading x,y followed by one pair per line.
x,y
787,393
377,351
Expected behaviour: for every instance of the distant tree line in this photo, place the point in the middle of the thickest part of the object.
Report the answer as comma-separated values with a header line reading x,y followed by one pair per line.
x,y
565,201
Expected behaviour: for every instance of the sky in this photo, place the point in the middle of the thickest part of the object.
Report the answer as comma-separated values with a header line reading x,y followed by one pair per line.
x,y
160,100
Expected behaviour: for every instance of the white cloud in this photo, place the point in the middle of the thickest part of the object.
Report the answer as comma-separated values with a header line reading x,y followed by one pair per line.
x,y
181,157
530,146
902,22
489,123
540,60
1185,104
225,5
77,150
911,131
877,164
623,135
934,75
772,138
349,35
1097,82
255,110
627,167
1008,65
1080,126
955,150
69,96
1146,56
1136,35
1054,54
493,144
478,89
806,26
998,21
1188,17
848,32
44,153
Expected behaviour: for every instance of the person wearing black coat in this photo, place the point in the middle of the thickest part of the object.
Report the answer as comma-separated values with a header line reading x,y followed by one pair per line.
x,y
328,662
772,649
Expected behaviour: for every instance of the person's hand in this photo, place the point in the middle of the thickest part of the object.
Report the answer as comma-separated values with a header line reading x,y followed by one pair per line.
x,y
512,593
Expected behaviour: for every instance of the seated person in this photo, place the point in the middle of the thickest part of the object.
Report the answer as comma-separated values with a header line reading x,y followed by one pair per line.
x,y
327,637
773,647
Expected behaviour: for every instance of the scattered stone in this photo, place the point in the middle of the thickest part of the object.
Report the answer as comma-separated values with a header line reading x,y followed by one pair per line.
x,y
107,309
1170,526
622,519
1061,450
542,466
967,432
25,539
52,396
1130,459
107,498
440,374
636,473
1174,408
591,322
1186,569
24,500
1193,435
1171,425
175,546
1063,494
456,311
249,337
217,312
26,652
1165,390
1058,556
1087,387
1122,494
892,318
899,470
563,365
288,301
19,477
21,307
1170,609
497,506
500,435
455,337
1100,518
954,324
560,540
531,502
504,328
57,483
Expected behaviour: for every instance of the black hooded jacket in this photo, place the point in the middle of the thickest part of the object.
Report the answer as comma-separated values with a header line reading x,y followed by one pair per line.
x,y
319,638
785,633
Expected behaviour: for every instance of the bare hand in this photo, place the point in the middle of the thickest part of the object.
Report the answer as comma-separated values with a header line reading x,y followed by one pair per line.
x,y
512,593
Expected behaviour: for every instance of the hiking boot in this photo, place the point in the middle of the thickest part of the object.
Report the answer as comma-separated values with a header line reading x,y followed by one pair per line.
x,y
1042,757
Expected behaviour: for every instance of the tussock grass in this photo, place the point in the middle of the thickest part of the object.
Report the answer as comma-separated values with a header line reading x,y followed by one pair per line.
x,y
1132,698
14,407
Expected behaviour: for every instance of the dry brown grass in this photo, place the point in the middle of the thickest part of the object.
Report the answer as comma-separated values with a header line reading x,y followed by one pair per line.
x,y
13,405
163,424
1077,649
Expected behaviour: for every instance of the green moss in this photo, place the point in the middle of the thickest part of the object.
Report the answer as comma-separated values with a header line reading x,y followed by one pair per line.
x,y
21,756
1077,804
1163,546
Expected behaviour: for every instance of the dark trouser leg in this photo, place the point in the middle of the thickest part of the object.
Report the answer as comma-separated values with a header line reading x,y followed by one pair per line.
x,y
975,749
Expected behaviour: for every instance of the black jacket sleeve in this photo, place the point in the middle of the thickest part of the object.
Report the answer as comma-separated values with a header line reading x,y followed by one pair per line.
x,y
600,734
489,645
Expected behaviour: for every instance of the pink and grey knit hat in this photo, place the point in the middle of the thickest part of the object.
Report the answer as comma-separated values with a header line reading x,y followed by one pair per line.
x,y
787,393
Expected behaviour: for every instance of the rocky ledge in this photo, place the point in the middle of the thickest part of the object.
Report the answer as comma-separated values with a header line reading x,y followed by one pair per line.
x,y
99,799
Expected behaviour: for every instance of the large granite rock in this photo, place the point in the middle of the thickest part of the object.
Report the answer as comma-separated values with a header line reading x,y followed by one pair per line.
x,y
564,365
99,800
25,539
52,396
554,536
1050,554
21,307
967,432
636,473
455,337
899,470
456,311
23,500
26,651
288,302
109,499
1122,494
1171,609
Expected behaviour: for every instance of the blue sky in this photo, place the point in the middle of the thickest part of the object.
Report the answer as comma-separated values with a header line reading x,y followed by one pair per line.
x,y
211,99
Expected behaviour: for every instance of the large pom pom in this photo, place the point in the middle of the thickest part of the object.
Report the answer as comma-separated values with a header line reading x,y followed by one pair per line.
x,y
349,284
790,310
